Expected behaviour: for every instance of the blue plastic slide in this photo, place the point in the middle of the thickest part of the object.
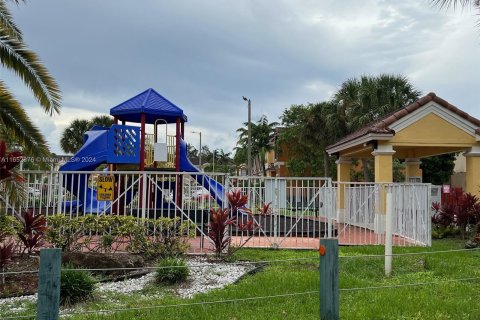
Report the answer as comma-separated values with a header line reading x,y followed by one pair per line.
x,y
92,154
216,189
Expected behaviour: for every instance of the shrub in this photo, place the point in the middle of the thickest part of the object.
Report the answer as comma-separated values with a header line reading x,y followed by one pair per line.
x,y
75,285
9,226
172,270
64,232
460,210
163,237
168,238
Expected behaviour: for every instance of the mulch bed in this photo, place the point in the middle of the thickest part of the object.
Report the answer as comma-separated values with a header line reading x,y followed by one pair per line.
x,y
26,283
22,283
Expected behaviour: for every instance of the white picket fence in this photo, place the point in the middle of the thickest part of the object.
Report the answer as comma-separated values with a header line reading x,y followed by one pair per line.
x,y
302,210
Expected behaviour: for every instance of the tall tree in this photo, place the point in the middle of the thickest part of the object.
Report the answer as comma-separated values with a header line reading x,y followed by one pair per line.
x,y
369,98
102,120
262,131
15,56
438,170
306,133
72,137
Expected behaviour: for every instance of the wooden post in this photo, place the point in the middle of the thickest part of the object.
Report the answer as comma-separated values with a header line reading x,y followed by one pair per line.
x,y
48,302
329,279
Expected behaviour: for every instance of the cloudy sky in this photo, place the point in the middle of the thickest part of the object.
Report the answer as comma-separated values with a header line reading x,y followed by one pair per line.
x,y
203,55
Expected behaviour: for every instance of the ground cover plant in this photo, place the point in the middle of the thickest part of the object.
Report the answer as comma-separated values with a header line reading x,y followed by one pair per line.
x,y
171,270
437,300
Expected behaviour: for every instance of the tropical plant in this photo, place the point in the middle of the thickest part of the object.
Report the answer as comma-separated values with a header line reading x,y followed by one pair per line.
x,y
15,56
220,221
460,210
237,215
10,179
171,271
33,229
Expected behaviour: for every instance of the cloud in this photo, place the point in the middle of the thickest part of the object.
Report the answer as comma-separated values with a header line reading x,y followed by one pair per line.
x,y
205,55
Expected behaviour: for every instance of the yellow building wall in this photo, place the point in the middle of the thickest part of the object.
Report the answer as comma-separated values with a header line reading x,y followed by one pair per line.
x,y
473,175
432,130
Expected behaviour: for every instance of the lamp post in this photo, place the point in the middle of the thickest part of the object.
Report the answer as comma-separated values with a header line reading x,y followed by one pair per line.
x,y
214,151
249,147
199,151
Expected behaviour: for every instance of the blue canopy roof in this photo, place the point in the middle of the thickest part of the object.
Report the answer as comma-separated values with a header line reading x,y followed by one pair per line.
x,y
150,102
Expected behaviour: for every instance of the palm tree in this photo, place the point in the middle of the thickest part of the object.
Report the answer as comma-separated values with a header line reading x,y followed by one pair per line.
x,y
262,131
72,136
103,121
369,98
15,56
456,3
447,4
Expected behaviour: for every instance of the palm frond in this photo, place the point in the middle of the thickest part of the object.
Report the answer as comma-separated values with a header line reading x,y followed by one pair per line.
x,y
15,123
7,23
447,4
26,64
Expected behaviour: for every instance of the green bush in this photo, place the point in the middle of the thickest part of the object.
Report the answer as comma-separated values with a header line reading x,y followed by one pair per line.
x,y
445,232
163,237
172,270
75,286
9,226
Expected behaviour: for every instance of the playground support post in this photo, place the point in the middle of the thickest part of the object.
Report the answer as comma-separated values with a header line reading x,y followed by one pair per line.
x,y
329,292
48,302
142,142
388,233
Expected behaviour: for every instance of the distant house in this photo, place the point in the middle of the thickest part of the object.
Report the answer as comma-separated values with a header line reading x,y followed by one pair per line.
x,y
276,159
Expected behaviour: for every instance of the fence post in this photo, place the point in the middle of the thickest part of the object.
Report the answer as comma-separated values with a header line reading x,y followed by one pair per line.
x,y
60,193
144,193
329,279
48,301
388,233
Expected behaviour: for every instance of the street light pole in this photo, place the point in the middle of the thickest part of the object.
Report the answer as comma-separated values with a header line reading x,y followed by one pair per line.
x,y
249,147
213,170
199,151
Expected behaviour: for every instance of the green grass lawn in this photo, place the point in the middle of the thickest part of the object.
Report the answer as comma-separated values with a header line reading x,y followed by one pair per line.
x,y
447,300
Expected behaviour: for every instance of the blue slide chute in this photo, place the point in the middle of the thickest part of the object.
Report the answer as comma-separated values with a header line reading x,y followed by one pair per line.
x,y
216,189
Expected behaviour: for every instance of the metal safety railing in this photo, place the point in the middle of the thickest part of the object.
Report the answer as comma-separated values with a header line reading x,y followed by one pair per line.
x,y
300,210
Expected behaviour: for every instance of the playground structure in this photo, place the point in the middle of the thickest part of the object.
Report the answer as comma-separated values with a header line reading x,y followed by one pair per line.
x,y
149,175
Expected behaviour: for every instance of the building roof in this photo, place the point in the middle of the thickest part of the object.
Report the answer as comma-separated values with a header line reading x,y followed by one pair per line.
x,y
381,126
152,104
